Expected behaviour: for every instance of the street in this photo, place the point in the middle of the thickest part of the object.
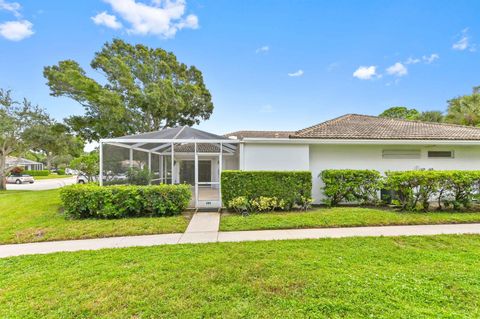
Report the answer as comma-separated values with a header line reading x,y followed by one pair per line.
x,y
43,184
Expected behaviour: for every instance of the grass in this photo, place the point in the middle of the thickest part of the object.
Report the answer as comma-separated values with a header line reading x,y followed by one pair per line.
x,y
383,277
28,216
51,176
342,217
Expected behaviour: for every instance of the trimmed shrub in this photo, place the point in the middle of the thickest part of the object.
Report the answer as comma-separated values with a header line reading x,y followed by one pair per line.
x,y
93,201
351,185
60,172
37,173
417,189
290,187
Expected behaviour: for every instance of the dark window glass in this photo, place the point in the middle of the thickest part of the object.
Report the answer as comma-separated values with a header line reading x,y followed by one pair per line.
x,y
445,154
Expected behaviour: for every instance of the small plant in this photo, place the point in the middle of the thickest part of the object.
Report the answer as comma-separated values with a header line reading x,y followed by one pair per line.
x,y
239,204
304,202
265,204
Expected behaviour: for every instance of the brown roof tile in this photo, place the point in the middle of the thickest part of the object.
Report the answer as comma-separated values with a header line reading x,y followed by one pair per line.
x,y
356,126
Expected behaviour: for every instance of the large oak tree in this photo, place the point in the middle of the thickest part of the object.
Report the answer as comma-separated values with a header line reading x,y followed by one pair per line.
x,y
143,89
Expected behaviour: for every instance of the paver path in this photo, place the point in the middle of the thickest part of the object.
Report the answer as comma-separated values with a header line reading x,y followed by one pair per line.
x,y
199,236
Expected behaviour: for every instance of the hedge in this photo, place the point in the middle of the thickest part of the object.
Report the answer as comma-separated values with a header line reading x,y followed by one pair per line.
x,y
93,201
419,188
411,190
289,187
350,185
37,173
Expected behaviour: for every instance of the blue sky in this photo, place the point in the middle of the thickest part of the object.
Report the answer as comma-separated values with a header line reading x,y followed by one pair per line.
x,y
270,65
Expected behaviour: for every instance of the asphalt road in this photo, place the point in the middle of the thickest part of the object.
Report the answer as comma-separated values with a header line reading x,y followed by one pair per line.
x,y
44,184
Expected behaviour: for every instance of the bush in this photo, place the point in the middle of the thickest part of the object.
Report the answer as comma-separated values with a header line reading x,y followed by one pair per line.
x,y
93,201
137,176
239,204
350,185
17,170
290,187
37,173
266,204
417,189
60,172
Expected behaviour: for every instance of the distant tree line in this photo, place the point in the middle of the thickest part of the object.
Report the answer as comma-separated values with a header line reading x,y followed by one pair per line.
x,y
463,110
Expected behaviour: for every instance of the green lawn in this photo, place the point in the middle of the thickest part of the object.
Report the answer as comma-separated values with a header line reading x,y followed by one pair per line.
x,y
383,277
51,176
27,216
342,217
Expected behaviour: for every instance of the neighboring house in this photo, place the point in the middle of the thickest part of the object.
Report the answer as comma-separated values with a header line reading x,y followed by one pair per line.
x,y
25,163
350,141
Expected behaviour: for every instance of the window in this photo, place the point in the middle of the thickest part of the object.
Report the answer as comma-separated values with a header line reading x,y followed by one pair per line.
x,y
401,154
440,154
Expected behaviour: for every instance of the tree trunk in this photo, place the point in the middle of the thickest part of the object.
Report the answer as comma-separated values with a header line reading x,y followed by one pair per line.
x,y
3,171
49,161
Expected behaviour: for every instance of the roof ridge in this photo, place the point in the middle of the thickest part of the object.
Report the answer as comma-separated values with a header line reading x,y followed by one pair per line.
x,y
284,131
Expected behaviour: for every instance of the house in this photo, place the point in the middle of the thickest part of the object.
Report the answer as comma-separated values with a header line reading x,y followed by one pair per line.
x,y
188,155
27,164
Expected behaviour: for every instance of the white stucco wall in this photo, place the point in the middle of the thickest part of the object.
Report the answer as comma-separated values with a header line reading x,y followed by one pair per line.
x,y
370,157
275,157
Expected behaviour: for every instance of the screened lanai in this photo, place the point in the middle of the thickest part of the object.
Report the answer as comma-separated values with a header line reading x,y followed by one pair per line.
x,y
180,155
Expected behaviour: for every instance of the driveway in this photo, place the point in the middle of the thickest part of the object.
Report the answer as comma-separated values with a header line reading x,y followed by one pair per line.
x,y
44,184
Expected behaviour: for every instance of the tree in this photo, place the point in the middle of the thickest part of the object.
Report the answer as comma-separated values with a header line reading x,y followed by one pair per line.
x,y
400,112
54,141
87,164
15,119
465,110
145,89
431,116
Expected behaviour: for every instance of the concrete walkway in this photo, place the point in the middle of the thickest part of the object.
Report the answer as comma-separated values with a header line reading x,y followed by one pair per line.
x,y
203,228
196,234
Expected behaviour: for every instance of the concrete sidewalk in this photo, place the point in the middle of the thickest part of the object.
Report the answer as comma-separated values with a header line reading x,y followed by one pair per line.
x,y
196,235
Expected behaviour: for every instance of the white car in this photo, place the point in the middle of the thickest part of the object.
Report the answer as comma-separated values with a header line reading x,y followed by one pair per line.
x,y
20,179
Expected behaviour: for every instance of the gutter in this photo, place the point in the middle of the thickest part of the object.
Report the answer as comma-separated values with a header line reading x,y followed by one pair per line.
x,y
254,140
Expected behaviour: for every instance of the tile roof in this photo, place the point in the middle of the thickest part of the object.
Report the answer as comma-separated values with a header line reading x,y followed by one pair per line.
x,y
260,134
356,126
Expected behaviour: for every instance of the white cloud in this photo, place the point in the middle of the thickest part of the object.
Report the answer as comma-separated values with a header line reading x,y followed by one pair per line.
x,y
464,42
430,58
267,109
107,20
461,44
16,30
398,69
413,61
13,7
296,73
162,17
263,49
365,72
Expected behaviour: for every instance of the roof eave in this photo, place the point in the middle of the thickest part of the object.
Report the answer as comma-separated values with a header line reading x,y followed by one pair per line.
x,y
359,141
